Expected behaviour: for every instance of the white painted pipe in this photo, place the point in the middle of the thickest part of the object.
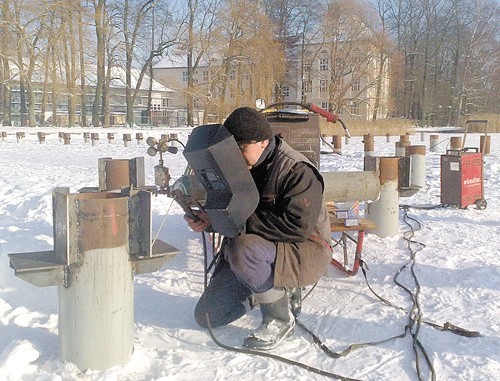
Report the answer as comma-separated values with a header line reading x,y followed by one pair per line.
x,y
400,148
95,138
385,211
417,168
348,186
127,138
96,308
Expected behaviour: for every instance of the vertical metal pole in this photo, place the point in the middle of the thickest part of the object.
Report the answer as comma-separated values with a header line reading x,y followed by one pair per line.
x,y
385,211
96,308
417,168
456,142
369,145
126,139
337,143
399,150
433,143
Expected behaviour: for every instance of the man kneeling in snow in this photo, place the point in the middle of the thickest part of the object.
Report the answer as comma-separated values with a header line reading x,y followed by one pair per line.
x,y
286,242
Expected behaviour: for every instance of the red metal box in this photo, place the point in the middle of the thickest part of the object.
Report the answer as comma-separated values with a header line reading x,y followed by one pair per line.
x,y
462,178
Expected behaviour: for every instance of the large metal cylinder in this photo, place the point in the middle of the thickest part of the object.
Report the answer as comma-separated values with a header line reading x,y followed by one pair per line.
x,y
385,211
369,142
348,186
456,142
337,143
417,167
96,307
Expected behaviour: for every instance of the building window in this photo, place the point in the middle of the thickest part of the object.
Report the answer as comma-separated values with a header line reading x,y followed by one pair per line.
x,y
285,89
205,75
323,64
324,105
165,103
307,67
323,85
356,86
308,85
184,76
232,75
354,108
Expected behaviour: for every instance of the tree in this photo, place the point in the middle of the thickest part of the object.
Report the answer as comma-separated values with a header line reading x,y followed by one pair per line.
x,y
347,54
249,61
100,30
137,31
446,46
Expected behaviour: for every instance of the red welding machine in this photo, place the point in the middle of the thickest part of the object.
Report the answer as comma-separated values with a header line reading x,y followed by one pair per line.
x,y
462,178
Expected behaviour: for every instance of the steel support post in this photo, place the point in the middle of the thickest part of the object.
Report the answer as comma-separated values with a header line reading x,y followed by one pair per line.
x,y
385,211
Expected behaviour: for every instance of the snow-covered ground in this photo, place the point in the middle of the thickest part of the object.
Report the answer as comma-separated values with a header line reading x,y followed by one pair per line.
x,y
458,271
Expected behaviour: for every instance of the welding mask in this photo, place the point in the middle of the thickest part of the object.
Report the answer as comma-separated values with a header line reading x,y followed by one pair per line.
x,y
232,195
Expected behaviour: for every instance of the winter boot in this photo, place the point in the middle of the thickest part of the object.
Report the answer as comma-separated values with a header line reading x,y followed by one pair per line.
x,y
277,321
295,297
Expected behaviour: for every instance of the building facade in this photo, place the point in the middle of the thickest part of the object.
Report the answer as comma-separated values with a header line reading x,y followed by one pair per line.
x,y
313,75
51,106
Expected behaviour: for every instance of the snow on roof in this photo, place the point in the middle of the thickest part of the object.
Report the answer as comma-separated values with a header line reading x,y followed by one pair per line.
x,y
118,79
170,62
118,76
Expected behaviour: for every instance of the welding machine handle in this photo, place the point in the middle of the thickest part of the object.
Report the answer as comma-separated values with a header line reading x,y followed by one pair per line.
x,y
329,116
466,149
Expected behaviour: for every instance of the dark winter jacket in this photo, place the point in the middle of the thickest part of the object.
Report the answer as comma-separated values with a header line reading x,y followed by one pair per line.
x,y
292,213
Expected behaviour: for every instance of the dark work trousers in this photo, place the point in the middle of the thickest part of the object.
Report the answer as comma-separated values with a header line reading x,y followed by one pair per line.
x,y
247,267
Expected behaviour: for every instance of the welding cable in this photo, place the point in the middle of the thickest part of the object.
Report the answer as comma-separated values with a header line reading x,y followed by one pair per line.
x,y
351,347
415,315
275,357
442,141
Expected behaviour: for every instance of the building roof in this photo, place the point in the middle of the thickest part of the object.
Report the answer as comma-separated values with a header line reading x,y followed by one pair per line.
x,y
170,62
117,78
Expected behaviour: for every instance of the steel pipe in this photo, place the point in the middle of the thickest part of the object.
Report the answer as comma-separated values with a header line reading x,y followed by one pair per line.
x,y
348,186
385,211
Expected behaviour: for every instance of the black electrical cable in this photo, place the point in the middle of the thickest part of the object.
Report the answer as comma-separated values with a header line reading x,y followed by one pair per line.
x,y
415,315
276,357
